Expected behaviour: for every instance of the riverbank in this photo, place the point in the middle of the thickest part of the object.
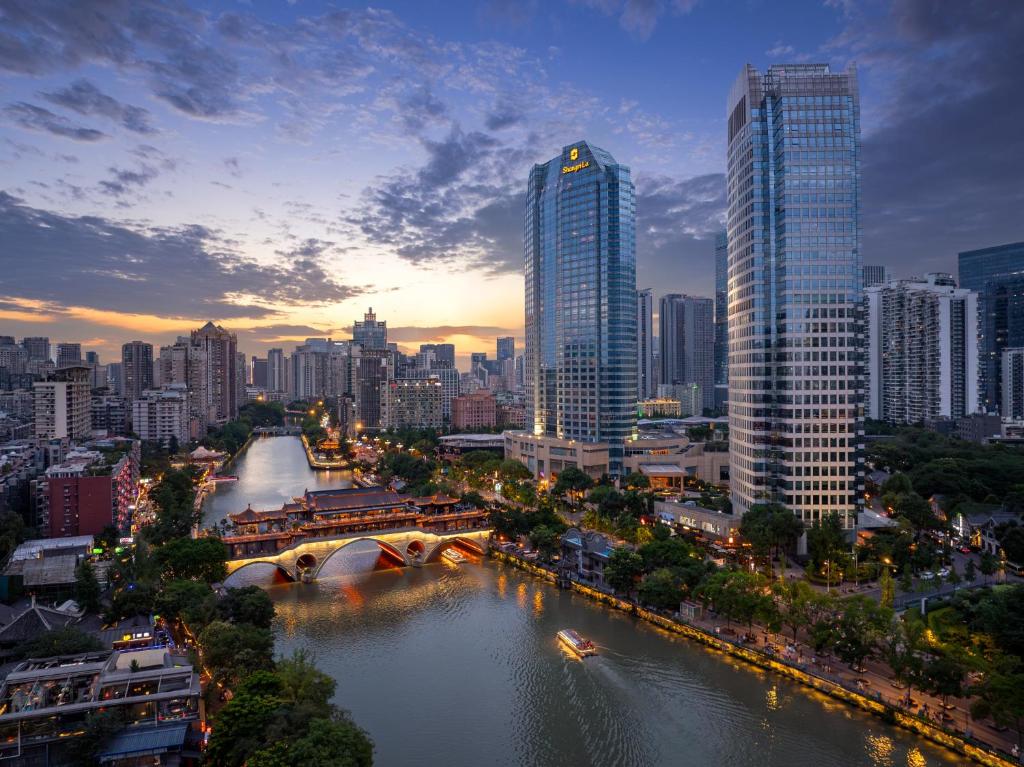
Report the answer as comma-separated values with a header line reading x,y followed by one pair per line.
x,y
315,463
949,739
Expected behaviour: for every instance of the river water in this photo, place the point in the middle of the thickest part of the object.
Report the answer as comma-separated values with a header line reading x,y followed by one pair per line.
x,y
459,665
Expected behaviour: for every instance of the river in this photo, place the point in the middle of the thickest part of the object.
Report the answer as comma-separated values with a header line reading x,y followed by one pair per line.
x,y
459,665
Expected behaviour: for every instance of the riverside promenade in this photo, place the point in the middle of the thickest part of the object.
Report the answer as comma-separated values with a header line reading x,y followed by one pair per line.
x,y
871,690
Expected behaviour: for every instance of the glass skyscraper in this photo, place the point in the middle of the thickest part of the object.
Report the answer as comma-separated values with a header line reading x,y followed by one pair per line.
x,y
721,308
795,322
581,316
997,274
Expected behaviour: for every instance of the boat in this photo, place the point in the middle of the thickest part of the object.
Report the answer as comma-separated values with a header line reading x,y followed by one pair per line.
x,y
582,647
453,556
226,478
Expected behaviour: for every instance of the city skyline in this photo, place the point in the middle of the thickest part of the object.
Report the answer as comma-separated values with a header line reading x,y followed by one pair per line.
x,y
332,199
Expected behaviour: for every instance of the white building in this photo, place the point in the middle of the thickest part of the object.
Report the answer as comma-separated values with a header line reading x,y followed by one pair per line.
x,y
63,405
922,337
159,415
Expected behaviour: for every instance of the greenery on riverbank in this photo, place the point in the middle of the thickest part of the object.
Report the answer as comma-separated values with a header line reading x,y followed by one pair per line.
x,y
230,437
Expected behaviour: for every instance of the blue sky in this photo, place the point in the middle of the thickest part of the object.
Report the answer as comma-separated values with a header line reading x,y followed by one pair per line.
x,y
280,166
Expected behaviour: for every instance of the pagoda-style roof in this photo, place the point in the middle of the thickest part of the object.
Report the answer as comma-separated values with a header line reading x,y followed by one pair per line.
x,y
247,517
352,499
435,500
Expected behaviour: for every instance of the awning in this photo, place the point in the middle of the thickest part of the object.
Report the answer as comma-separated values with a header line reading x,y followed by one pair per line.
x,y
144,742
662,470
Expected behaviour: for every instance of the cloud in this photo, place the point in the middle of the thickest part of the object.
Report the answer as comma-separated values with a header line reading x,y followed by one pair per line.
x,y
86,99
639,17
32,117
943,153
184,271
123,181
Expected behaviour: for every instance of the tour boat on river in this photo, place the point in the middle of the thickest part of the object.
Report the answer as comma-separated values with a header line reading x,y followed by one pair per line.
x,y
225,478
453,556
582,647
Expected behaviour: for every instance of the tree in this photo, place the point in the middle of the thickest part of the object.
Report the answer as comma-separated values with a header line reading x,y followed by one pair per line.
x,y
87,588
202,559
334,742
239,728
667,552
770,528
887,586
988,565
232,651
623,570
900,647
954,578
826,540
1000,614
944,676
738,595
178,596
856,632
970,572
635,481
572,482
249,604
795,602
545,540
661,589
1012,541
999,695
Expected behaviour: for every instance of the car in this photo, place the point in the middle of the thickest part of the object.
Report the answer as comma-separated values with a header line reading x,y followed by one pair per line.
x,y
927,575
944,572
964,549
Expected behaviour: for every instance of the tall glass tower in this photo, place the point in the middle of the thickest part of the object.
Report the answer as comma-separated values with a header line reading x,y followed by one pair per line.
x,y
581,334
795,314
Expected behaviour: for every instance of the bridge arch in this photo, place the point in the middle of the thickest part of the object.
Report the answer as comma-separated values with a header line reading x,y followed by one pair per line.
x,y
415,547
305,562
271,571
467,544
385,547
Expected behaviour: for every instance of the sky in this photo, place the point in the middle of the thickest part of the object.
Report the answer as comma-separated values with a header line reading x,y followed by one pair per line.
x,y
278,167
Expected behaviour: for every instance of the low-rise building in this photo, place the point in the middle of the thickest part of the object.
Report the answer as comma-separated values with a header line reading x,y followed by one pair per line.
x,y
659,408
46,567
46,702
585,555
710,523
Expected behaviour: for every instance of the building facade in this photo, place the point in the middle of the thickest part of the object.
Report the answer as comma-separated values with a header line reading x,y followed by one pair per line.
x,y
276,376
477,410
645,382
687,341
872,274
216,366
68,355
581,334
922,339
63,405
136,369
1013,384
411,403
371,370
721,313
162,415
795,368
370,334
997,275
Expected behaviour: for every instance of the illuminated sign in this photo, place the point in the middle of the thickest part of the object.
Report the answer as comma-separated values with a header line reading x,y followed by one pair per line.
x,y
574,154
576,167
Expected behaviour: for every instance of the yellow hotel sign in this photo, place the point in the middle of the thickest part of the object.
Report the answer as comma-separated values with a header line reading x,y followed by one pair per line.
x,y
574,154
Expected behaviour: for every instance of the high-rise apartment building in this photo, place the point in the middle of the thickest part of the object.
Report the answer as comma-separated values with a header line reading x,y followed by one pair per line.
x,y
645,383
411,403
444,353
1013,384
371,370
873,274
997,275
218,361
795,368
136,369
63,404
686,335
370,334
506,348
38,347
922,350
477,410
68,355
258,372
581,330
276,377
162,415
721,320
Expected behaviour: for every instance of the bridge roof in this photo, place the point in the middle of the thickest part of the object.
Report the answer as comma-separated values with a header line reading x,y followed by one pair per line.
x,y
343,500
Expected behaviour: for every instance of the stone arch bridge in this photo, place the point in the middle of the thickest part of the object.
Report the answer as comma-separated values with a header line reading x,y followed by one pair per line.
x,y
400,547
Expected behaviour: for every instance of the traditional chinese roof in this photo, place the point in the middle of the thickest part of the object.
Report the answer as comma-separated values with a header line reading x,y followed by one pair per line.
x,y
435,500
352,499
247,517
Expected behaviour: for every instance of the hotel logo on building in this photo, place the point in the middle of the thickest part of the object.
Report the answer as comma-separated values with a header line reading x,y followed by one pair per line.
x,y
574,155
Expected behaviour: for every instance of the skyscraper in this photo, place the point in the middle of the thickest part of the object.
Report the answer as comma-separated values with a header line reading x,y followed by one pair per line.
x,y
997,274
217,366
136,369
38,347
922,350
370,333
276,378
581,300
506,348
68,355
62,405
645,383
1013,384
258,373
795,378
872,274
444,353
721,319
686,336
